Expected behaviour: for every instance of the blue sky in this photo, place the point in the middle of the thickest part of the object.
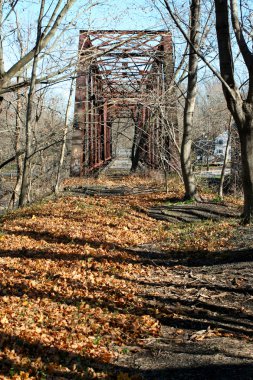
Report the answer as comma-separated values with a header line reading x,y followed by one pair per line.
x,y
123,14
118,14
108,14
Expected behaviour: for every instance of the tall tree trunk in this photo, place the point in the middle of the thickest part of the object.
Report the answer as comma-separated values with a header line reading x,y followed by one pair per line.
x,y
138,141
246,141
186,147
1,41
18,126
240,108
64,141
225,161
28,127
137,148
18,147
235,184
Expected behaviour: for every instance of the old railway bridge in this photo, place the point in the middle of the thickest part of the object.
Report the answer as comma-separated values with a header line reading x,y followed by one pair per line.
x,y
125,104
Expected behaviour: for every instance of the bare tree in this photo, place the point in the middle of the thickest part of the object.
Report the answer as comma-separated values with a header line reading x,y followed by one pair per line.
x,y
50,30
28,124
195,41
239,98
186,146
240,106
64,140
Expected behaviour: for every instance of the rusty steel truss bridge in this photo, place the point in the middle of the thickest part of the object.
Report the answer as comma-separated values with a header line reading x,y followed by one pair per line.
x,y
125,103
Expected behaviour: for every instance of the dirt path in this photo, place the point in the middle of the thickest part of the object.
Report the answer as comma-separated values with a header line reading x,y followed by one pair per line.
x,y
204,302
207,319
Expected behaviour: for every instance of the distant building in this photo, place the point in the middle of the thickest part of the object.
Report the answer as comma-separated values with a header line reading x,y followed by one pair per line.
x,y
204,147
220,144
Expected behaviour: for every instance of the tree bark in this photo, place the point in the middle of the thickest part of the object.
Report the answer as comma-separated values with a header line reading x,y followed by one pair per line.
x,y
138,141
240,108
224,166
64,141
186,147
19,159
246,141
1,41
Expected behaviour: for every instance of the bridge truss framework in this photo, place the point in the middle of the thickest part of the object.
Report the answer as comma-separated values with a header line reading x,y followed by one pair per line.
x,y
124,74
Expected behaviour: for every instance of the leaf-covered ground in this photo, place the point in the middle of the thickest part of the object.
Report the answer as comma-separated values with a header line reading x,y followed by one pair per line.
x,y
76,282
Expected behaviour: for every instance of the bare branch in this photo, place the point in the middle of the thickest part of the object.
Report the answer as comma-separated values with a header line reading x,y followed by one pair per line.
x,y
246,53
214,71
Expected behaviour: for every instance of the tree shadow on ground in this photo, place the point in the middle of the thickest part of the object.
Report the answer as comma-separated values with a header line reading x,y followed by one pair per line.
x,y
198,315
205,372
194,314
58,363
193,258
166,258
51,358
180,313
110,298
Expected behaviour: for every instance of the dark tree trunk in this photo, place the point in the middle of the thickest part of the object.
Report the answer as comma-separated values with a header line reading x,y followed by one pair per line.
x,y
136,152
240,108
246,140
139,139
